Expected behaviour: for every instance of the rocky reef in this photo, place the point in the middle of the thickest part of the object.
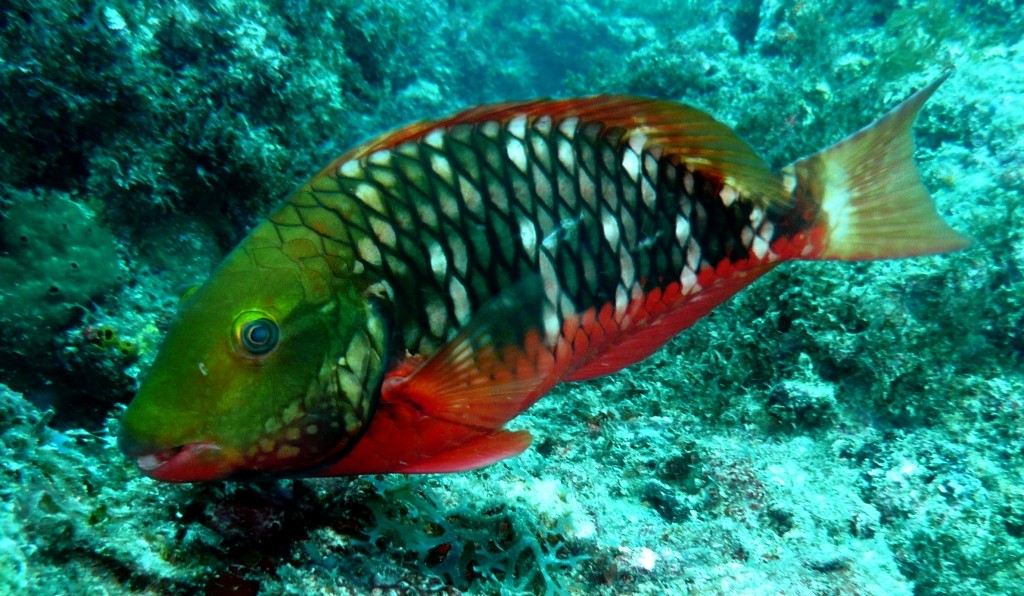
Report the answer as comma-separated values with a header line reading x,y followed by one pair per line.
x,y
836,428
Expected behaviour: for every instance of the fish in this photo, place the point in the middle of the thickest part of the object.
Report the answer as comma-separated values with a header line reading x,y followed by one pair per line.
x,y
431,284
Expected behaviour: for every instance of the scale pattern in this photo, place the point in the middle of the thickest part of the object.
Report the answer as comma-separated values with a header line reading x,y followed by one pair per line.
x,y
449,220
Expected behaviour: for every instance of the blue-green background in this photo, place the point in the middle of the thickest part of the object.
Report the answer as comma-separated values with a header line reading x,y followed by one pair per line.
x,y
837,428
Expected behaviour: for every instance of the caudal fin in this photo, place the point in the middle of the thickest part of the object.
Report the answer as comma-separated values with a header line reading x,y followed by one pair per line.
x,y
872,203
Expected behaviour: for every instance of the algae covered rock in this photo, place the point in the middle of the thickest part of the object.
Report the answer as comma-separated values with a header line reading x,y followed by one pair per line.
x,y
55,259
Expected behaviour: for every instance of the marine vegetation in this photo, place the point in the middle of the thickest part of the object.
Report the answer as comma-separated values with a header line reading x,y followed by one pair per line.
x,y
834,427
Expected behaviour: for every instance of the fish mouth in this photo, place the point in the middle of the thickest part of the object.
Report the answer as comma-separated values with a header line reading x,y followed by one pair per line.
x,y
193,462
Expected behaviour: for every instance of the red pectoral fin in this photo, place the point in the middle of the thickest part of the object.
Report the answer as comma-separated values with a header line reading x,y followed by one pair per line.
x,y
491,371
446,414
474,384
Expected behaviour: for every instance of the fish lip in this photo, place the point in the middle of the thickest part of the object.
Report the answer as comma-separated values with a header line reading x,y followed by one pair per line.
x,y
148,462
192,462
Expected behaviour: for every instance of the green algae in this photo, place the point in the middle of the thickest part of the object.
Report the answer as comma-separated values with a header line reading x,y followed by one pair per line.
x,y
836,428
57,259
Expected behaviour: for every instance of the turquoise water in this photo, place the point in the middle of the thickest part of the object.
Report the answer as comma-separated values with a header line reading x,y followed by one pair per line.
x,y
836,428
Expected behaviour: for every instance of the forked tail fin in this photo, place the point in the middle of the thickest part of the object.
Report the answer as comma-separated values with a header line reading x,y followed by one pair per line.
x,y
868,193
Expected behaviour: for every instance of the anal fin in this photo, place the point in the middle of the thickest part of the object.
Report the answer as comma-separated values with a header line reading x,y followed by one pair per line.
x,y
638,344
475,453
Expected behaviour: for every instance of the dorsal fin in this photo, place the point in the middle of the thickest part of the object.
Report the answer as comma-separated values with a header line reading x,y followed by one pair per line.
x,y
688,135
634,345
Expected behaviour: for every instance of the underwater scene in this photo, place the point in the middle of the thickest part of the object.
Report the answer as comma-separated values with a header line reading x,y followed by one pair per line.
x,y
389,321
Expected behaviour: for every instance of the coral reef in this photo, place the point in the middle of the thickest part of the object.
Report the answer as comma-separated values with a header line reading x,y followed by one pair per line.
x,y
836,428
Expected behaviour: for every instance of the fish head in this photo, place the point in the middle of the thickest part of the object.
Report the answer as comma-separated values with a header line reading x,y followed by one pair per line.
x,y
269,368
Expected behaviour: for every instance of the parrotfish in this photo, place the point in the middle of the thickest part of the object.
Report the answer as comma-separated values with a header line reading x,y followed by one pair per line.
x,y
431,284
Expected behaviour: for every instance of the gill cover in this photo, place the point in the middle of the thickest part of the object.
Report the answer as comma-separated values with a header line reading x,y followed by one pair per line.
x,y
272,366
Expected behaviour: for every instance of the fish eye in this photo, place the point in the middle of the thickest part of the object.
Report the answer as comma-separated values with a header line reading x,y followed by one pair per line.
x,y
256,334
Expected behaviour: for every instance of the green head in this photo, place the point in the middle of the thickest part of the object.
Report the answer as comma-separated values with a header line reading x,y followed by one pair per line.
x,y
272,367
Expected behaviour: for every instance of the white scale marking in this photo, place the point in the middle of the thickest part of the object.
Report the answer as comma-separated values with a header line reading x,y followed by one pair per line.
x,y
471,196
789,182
728,195
516,153
370,197
368,251
631,164
682,230
490,129
746,236
588,190
637,141
384,231
692,254
688,279
549,277
756,217
349,169
541,183
517,126
567,191
449,204
435,138
762,243
610,227
543,124
628,273
760,247
439,163
566,155
541,153
552,325
621,301
380,158
528,236
460,300
647,192
438,261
